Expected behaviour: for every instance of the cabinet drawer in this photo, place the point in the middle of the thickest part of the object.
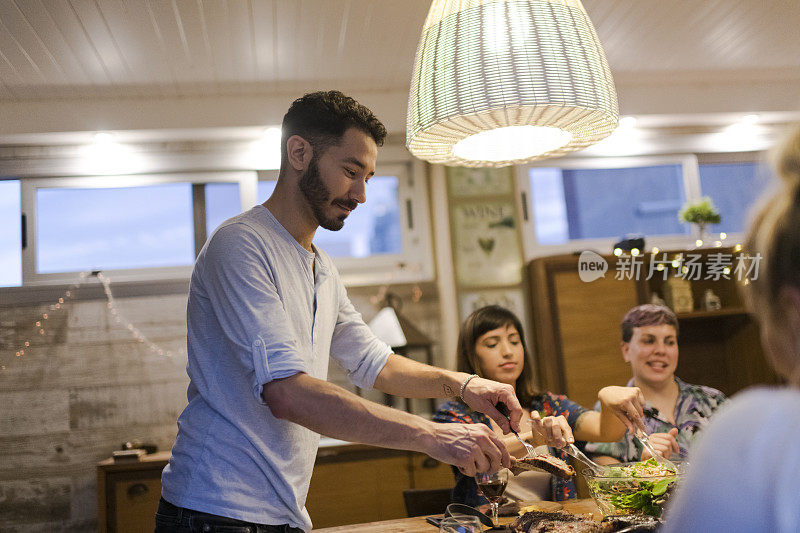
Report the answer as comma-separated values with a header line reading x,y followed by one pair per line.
x,y
430,473
135,504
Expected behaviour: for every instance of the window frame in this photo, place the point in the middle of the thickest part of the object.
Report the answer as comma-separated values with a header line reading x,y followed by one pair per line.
x,y
30,276
691,185
415,263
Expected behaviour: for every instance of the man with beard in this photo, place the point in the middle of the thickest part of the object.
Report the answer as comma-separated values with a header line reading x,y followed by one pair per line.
x,y
266,311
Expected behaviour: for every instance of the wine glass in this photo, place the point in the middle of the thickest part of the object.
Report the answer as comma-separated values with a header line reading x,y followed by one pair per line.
x,y
492,486
460,524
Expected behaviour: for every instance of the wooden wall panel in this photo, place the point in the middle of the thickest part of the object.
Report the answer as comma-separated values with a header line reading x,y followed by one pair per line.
x,y
87,386
34,500
146,403
36,412
588,320
78,393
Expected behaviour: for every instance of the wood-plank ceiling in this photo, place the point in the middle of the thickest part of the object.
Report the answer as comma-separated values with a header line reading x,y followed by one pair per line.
x,y
51,49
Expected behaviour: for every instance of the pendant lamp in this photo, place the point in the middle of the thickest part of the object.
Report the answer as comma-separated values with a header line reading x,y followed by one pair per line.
x,y
500,82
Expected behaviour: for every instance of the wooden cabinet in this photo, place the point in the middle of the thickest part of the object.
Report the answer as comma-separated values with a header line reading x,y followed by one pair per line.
x,y
128,493
577,335
351,484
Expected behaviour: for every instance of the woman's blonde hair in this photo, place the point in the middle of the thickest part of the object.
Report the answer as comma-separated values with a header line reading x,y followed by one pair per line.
x,y
775,235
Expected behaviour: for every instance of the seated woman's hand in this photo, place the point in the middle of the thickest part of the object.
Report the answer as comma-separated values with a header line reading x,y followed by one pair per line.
x,y
554,430
663,443
627,404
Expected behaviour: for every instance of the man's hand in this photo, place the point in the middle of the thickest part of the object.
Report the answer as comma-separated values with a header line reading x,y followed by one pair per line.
x,y
554,429
627,404
663,443
483,394
472,448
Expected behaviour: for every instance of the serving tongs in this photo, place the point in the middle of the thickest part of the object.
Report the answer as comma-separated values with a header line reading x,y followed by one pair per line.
x,y
642,436
500,406
573,451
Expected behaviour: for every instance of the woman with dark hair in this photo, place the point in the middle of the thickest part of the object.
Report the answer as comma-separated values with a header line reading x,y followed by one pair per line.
x,y
745,474
676,412
491,345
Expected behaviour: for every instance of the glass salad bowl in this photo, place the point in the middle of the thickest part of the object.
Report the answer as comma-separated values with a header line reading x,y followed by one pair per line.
x,y
640,488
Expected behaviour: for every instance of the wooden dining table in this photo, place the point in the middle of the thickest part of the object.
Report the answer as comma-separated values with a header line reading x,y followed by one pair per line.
x,y
418,524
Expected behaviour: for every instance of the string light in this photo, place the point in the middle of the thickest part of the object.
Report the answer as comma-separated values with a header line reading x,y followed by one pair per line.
x,y
41,323
119,319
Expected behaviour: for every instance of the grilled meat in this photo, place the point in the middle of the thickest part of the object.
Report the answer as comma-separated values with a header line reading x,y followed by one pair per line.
x,y
548,463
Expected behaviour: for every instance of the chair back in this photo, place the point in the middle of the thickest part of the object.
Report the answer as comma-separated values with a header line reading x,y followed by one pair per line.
x,y
421,502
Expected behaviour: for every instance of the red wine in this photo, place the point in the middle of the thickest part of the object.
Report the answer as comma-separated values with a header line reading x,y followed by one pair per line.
x,y
493,491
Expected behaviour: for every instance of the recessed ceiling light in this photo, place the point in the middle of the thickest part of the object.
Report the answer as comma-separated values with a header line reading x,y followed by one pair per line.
x,y
103,137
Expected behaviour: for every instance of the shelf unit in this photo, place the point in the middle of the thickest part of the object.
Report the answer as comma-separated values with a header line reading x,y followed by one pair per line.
x,y
576,340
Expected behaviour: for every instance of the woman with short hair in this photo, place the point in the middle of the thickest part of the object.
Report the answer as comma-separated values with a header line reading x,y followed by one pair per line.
x,y
676,412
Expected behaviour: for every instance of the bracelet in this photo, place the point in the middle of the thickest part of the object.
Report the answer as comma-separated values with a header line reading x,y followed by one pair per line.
x,y
464,386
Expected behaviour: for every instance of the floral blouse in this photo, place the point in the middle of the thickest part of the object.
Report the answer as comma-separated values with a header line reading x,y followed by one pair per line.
x,y
548,404
693,410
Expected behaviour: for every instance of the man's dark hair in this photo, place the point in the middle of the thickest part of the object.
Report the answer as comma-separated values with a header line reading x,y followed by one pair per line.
x,y
321,118
647,315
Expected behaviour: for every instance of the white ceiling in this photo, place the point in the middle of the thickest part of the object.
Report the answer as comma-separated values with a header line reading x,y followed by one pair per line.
x,y
200,57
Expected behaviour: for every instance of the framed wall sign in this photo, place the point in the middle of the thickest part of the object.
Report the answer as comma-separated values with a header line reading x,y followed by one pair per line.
x,y
486,245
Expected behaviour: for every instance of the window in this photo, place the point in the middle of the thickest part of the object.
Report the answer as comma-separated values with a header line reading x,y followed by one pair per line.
x,y
372,229
734,188
222,202
595,202
386,239
133,227
116,228
10,242
571,204
151,227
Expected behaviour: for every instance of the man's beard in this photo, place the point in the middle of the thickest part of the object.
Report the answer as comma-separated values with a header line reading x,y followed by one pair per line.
x,y
319,198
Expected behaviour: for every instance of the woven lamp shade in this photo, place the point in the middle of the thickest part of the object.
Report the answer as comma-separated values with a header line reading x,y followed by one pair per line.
x,y
534,68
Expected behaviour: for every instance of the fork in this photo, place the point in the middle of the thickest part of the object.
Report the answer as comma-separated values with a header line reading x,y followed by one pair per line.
x,y
500,406
642,436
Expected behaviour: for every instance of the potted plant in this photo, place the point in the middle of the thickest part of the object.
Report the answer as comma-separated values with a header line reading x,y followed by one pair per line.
x,y
701,212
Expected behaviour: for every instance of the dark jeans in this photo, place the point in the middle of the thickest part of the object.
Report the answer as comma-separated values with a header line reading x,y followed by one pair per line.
x,y
171,519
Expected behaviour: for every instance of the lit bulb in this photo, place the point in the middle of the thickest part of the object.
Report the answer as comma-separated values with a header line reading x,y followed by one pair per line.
x,y
723,236
635,252
511,143
655,250
618,251
103,137
698,242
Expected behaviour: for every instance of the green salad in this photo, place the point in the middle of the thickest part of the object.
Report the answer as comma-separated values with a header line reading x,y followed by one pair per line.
x,y
637,488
